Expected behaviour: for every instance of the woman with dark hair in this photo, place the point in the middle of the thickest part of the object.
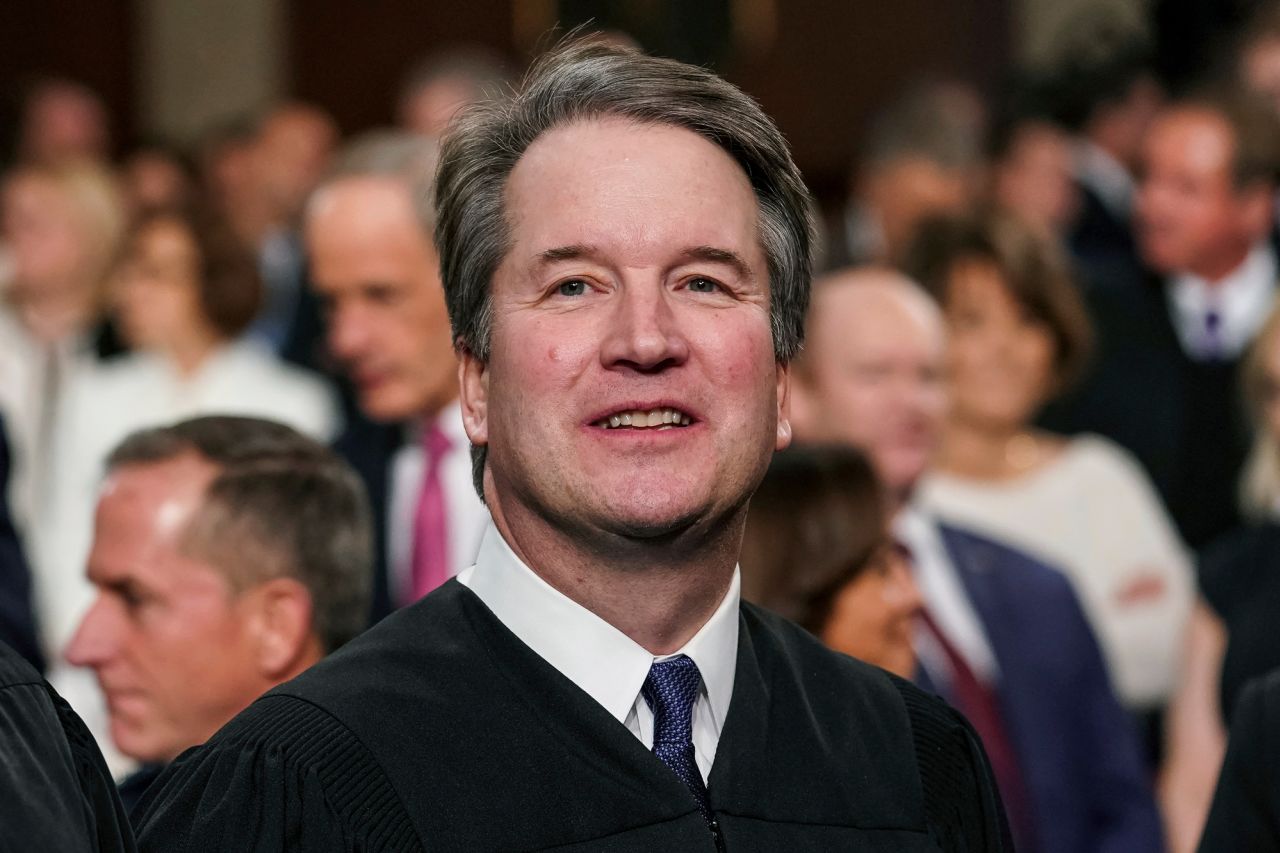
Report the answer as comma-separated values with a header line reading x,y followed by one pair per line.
x,y
1017,335
817,550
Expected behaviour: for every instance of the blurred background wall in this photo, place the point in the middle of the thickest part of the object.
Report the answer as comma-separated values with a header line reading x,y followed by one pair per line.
x,y
174,68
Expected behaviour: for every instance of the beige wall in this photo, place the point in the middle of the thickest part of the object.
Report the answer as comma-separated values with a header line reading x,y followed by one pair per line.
x,y
205,61
1041,26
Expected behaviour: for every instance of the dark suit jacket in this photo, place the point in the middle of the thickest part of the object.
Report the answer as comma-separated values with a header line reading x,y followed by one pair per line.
x,y
1183,420
1101,242
1077,748
1245,815
17,619
369,448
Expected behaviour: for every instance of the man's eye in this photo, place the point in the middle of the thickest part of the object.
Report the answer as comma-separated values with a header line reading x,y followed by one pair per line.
x,y
703,285
574,287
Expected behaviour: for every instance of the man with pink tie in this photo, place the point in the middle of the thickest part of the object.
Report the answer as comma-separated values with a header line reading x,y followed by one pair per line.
x,y
374,267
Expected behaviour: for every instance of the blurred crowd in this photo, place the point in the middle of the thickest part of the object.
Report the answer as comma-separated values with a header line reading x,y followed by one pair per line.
x,y
1037,412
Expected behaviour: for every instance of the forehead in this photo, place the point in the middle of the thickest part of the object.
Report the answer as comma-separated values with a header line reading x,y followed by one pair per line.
x,y
871,319
368,221
142,514
637,190
1193,136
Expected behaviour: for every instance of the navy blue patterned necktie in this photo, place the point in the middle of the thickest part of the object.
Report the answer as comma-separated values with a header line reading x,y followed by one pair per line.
x,y
670,690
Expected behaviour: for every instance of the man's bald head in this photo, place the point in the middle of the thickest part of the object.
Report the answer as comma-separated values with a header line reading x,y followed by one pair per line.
x,y
871,373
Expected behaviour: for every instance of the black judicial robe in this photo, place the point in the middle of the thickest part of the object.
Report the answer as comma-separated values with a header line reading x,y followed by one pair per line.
x,y
56,793
438,730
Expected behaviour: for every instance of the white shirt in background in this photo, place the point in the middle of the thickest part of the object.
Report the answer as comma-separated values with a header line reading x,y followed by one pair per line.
x,y
944,598
1242,300
1093,514
466,514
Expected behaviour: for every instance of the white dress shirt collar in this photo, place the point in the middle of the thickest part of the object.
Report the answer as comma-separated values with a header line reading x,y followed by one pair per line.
x,y
1242,299
945,596
605,663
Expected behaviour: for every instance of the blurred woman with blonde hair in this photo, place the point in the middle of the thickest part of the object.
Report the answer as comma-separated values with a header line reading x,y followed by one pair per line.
x,y
60,229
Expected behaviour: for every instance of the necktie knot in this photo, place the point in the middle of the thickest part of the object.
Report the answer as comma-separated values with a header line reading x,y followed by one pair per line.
x,y
435,444
671,689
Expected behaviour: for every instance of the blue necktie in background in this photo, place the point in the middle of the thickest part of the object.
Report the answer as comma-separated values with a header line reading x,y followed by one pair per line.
x,y
670,691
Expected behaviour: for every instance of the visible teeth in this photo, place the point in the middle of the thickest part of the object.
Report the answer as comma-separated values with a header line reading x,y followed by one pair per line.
x,y
645,420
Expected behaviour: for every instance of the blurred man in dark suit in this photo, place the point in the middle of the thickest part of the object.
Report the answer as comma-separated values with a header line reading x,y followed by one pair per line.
x,y
374,268
1165,381
17,617
1003,638
1108,101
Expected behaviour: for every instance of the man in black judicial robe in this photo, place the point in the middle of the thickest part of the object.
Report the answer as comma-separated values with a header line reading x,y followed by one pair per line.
x,y
625,255
55,790
1245,814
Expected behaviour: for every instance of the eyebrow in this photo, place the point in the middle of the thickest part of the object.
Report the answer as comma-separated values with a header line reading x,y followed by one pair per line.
x,y
710,254
721,256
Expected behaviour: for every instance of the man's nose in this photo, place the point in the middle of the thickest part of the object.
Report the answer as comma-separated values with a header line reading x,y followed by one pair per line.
x,y
645,331
348,330
94,641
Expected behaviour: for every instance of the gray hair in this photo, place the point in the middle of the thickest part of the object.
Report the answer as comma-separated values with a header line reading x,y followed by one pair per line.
x,y
280,505
591,79
395,154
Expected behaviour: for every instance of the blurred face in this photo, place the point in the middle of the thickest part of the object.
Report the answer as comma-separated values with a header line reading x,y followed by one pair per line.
x,y
1191,217
153,181
1000,359
291,154
1035,181
632,389
872,617
905,193
1260,69
873,376
376,273
429,110
65,122
157,287
171,646
45,234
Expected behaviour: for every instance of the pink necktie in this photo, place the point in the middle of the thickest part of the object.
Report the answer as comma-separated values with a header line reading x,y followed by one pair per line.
x,y
430,527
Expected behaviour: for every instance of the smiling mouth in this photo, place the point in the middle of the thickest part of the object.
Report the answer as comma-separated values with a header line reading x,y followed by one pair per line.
x,y
652,419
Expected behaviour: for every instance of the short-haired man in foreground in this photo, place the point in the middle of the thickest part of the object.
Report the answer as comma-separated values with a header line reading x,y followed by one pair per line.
x,y
625,251
229,554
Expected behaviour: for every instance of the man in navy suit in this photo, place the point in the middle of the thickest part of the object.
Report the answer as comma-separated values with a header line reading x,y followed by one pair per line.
x,y
1003,636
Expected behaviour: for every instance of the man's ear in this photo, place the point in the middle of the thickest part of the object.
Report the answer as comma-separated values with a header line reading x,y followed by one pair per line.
x,y
284,638
784,406
473,384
